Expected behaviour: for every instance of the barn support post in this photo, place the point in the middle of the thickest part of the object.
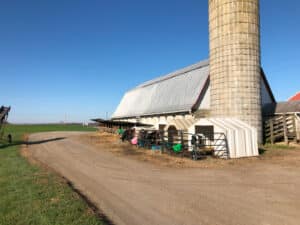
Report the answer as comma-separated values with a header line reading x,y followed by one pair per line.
x,y
271,131
182,142
162,141
285,131
181,137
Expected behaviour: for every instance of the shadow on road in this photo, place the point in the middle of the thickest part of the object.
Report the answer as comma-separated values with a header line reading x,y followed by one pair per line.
x,y
6,145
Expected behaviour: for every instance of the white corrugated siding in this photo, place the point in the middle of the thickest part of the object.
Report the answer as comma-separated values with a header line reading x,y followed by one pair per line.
x,y
241,138
176,92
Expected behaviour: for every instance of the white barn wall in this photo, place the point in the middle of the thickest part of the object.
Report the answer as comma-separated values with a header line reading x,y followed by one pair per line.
x,y
205,103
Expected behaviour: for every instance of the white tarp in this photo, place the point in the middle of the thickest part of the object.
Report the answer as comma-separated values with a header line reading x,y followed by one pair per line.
x,y
241,139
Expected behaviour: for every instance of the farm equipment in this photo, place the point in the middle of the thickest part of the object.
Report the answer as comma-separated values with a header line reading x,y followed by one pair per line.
x,y
3,119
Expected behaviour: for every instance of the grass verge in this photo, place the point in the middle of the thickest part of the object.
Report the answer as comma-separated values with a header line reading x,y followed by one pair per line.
x,y
32,195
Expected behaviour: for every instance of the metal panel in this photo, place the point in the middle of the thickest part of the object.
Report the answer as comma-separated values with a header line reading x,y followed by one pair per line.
x,y
175,92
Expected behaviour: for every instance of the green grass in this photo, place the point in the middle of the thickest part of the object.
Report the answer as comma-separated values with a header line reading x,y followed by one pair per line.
x,y
19,130
32,195
279,147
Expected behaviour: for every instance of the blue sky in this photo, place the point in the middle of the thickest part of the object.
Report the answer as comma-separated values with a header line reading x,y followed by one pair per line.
x,y
75,59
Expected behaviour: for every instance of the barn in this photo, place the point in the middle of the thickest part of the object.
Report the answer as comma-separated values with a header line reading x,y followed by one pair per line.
x,y
221,98
181,101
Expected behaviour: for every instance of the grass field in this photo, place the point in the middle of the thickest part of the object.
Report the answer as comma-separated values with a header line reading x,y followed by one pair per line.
x,y
35,196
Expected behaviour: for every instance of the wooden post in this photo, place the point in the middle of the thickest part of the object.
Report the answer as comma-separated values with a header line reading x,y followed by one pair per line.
x,y
181,137
162,141
285,131
271,131
295,127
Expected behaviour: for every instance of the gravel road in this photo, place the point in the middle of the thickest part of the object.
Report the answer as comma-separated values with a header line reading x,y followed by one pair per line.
x,y
137,193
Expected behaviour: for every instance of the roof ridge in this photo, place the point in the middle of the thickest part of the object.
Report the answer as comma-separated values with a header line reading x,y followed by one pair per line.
x,y
173,74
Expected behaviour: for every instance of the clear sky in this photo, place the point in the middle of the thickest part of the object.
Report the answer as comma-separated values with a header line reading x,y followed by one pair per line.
x,y
75,59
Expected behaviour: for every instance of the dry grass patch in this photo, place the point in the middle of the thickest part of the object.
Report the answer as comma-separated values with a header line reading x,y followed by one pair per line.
x,y
278,154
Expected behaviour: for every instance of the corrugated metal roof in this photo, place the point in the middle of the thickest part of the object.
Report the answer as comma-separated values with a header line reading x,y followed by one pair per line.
x,y
174,92
281,108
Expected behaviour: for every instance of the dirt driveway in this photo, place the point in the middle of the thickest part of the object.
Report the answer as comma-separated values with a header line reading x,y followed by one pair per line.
x,y
136,193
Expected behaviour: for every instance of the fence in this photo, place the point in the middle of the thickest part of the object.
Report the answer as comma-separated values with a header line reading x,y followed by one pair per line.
x,y
281,128
298,127
185,144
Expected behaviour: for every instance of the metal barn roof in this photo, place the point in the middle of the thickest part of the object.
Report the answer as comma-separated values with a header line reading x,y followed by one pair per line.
x,y
172,93
281,108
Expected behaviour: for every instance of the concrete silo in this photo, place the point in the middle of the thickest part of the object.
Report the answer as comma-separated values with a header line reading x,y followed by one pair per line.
x,y
235,68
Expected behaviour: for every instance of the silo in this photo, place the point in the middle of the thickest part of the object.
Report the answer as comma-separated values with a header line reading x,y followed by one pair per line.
x,y
235,70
